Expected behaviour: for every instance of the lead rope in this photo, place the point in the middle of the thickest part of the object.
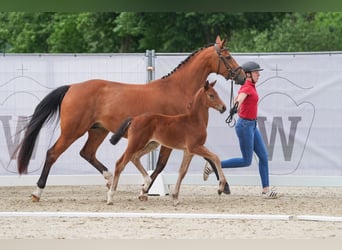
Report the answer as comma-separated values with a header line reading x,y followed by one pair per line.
x,y
231,121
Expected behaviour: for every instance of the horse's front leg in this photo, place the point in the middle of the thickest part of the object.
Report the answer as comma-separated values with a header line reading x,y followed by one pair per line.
x,y
223,184
226,189
213,159
120,165
181,173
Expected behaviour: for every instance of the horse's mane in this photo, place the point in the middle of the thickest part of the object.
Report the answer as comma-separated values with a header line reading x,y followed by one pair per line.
x,y
187,59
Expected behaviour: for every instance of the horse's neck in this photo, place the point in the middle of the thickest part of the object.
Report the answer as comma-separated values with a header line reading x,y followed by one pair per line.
x,y
191,75
198,68
199,111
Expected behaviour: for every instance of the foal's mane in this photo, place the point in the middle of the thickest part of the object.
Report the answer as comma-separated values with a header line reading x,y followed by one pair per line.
x,y
187,59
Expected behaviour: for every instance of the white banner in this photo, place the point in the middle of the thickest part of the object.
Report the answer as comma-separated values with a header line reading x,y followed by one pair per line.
x,y
299,110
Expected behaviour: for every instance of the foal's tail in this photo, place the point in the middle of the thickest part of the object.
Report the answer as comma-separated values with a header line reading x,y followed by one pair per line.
x,y
47,109
121,131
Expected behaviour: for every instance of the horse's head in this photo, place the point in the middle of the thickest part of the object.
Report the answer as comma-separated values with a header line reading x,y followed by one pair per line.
x,y
231,70
213,100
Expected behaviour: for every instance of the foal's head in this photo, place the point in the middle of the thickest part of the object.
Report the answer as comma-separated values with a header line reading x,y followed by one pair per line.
x,y
212,99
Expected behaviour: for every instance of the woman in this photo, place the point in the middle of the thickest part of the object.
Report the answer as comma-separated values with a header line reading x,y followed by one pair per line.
x,y
246,104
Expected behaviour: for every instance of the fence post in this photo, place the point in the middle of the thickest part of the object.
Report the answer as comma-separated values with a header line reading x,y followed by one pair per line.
x,y
158,187
150,54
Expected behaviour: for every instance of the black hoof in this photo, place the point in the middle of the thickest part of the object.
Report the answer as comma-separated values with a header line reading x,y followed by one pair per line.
x,y
226,189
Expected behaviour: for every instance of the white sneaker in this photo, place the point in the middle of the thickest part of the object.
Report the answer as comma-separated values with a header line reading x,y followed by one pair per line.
x,y
270,194
207,171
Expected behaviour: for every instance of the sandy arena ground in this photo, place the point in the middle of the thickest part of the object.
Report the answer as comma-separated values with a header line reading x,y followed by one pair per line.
x,y
312,201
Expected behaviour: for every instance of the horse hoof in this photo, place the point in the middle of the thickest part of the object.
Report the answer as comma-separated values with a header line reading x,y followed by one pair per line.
x,y
110,203
219,192
226,188
175,199
175,203
143,197
108,185
35,198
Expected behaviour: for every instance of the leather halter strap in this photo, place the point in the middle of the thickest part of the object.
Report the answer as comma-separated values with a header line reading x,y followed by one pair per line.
x,y
232,73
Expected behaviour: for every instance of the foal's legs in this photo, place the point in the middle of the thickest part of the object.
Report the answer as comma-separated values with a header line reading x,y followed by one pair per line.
x,y
164,154
135,149
204,152
96,136
226,189
181,173
120,165
136,160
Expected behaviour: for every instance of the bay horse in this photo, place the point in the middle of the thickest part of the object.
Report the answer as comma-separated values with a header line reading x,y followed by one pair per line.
x,y
186,132
98,106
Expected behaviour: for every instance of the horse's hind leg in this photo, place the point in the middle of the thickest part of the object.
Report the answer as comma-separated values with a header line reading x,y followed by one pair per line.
x,y
147,179
136,160
51,156
164,154
96,135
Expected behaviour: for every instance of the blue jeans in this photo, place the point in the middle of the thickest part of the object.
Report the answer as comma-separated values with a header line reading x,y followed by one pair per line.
x,y
250,141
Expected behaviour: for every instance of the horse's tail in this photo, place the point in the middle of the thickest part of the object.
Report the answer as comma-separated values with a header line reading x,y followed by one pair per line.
x,y
47,109
121,131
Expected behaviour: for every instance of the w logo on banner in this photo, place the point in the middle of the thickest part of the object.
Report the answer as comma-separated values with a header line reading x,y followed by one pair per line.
x,y
287,132
13,138
278,128
18,98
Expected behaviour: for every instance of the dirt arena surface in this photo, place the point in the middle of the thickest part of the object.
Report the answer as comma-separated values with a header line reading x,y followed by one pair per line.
x,y
194,200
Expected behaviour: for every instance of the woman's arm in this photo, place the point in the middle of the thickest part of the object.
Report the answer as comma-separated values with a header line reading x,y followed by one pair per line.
x,y
239,99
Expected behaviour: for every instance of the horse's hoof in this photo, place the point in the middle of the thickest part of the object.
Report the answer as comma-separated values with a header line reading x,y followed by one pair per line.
x,y
226,188
219,192
143,197
175,203
35,198
175,199
110,203
108,185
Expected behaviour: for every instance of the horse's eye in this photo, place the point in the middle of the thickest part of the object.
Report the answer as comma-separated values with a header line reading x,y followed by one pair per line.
x,y
211,96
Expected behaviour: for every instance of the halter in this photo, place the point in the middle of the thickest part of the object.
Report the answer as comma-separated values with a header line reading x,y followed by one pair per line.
x,y
232,73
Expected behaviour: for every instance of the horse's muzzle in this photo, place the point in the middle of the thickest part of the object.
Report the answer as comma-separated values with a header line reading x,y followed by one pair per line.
x,y
223,109
239,79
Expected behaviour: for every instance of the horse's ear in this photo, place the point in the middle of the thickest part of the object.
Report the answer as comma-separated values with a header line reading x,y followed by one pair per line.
x,y
223,42
218,39
212,84
220,42
206,85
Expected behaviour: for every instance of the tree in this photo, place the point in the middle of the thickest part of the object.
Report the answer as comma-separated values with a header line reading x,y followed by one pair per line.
x,y
110,32
296,32
25,32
